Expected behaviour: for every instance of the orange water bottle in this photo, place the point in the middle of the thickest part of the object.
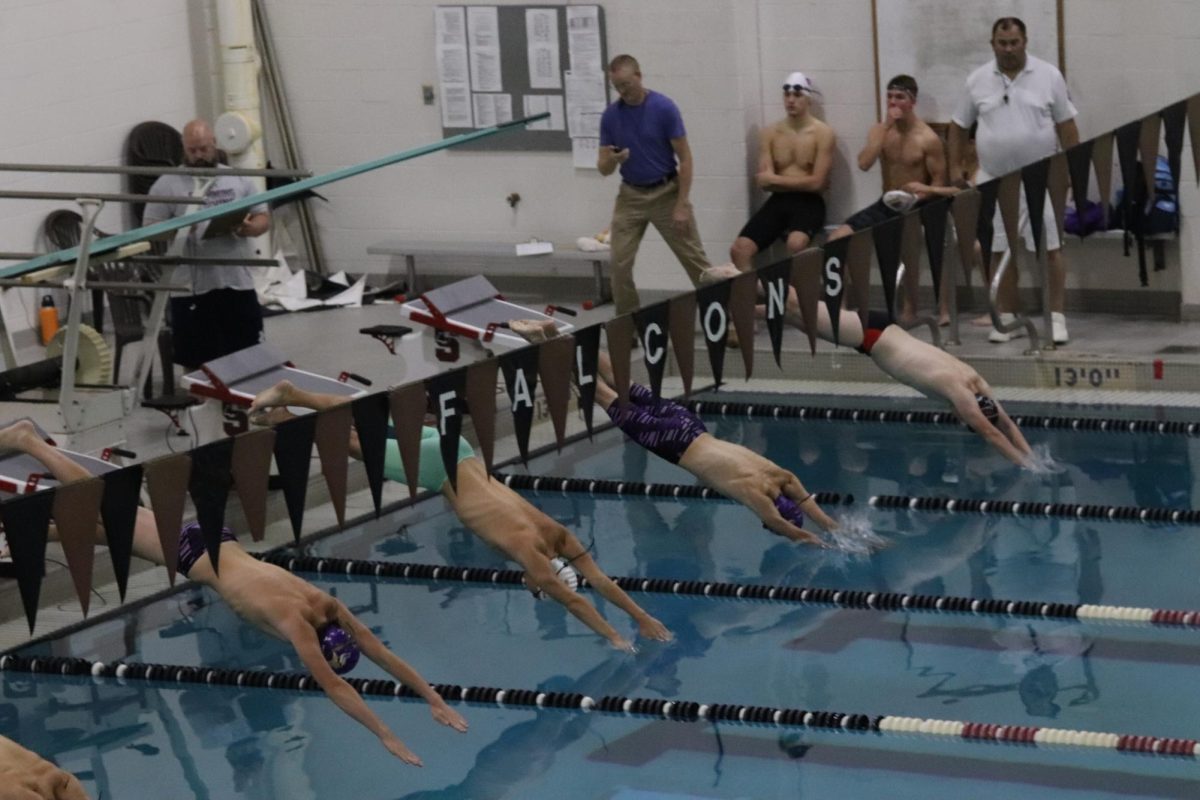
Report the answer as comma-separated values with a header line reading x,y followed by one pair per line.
x,y
48,319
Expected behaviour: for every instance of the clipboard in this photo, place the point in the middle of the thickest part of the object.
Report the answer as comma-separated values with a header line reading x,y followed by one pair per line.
x,y
225,224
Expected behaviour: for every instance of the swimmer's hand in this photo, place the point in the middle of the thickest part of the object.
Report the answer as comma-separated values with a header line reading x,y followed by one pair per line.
x,y
448,716
651,628
624,645
397,748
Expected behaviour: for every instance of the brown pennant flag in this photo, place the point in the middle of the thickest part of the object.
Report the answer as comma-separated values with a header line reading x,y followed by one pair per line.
x,y
858,268
619,332
1193,119
806,280
481,404
1057,181
333,446
1148,137
1009,200
26,521
682,324
911,241
76,511
408,415
1102,162
964,209
555,357
251,467
167,480
743,291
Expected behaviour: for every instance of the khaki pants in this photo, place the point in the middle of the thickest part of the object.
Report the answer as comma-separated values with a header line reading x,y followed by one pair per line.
x,y
633,210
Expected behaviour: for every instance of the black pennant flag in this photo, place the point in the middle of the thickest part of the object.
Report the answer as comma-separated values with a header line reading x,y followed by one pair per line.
x,y
1173,118
833,279
1035,176
447,392
988,192
293,456
1127,156
712,303
209,487
887,236
371,422
520,368
118,510
776,280
587,358
933,219
26,521
652,323
1079,165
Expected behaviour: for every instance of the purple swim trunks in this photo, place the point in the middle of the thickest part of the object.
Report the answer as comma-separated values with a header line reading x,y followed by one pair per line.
x,y
663,427
191,545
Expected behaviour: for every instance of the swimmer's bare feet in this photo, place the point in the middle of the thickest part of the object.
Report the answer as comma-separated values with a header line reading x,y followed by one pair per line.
x,y
270,417
275,397
534,330
18,436
650,628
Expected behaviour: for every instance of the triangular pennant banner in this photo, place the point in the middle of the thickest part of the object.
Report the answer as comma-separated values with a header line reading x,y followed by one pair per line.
x,y
520,369
332,436
408,404
251,476
293,457
370,414
1148,136
653,330
964,209
682,322
1173,119
887,236
1193,120
1079,165
446,391
619,332
1057,183
76,510
1102,162
587,357
119,510
776,280
986,233
743,290
1127,156
209,487
26,520
806,280
554,363
1009,200
1034,177
167,480
858,270
481,404
712,304
833,277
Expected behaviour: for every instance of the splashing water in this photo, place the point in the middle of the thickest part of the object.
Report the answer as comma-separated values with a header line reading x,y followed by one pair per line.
x,y
1042,461
854,534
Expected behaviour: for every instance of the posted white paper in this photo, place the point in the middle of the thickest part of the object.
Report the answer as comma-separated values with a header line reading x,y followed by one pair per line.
x,y
541,34
484,36
584,152
583,39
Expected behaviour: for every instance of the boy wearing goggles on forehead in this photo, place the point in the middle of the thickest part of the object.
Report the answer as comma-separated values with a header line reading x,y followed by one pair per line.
x,y
795,156
912,161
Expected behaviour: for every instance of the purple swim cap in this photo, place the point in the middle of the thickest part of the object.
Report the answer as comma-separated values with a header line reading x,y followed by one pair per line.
x,y
790,510
339,648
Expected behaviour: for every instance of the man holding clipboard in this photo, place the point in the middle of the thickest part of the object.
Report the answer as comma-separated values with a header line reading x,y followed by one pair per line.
x,y
222,315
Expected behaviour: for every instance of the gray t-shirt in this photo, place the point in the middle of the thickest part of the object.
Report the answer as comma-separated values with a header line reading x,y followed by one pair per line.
x,y
224,189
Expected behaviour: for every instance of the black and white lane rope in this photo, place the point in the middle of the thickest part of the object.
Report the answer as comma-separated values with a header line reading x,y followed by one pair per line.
x,y
677,710
842,598
594,486
1026,508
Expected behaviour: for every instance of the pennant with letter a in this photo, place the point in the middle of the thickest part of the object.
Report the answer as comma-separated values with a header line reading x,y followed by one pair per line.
x,y
520,368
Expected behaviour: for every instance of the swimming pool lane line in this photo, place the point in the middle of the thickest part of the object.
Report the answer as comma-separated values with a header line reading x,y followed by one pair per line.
x,y
1018,508
862,599
675,710
777,411
594,486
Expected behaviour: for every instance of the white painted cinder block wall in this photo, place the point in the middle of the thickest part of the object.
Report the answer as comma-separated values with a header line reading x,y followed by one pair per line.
x,y
77,74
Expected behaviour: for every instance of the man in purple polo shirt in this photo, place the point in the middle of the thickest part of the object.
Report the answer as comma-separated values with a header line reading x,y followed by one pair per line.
x,y
643,134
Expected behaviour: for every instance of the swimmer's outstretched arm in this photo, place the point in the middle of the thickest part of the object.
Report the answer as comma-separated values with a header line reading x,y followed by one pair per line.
x,y
648,626
540,575
24,775
304,639
1006,437
399,669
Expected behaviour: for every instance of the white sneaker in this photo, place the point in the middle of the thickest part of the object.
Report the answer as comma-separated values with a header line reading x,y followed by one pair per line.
x,y
1058,325
996,337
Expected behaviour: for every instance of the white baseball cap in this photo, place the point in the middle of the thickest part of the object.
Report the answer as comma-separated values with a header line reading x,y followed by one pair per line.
x,y
798,80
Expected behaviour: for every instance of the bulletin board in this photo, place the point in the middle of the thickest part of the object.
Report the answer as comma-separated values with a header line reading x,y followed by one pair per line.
x,y
499,63
940,42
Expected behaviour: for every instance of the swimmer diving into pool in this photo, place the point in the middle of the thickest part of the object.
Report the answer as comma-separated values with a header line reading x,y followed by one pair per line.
x,y
325,634
549,553
674,433
931,371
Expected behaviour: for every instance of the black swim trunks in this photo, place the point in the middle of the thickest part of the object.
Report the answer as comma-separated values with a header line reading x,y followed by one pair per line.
x,y
783,213
663,427
872,215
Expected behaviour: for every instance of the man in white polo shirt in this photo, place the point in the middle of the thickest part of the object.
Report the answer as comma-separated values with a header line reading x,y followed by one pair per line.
x,y
1024,114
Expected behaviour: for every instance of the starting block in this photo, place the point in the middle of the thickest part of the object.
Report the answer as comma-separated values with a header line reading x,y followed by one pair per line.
x,y
472,313
21,473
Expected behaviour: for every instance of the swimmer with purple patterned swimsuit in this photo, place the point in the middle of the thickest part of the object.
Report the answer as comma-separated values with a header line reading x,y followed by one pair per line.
x,y
274,600
674,433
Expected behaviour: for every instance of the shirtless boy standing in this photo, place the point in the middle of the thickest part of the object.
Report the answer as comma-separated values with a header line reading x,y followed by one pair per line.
x,y
909,151
794,158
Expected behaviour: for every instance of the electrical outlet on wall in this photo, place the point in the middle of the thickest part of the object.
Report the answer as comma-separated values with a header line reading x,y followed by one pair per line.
x,y
427,93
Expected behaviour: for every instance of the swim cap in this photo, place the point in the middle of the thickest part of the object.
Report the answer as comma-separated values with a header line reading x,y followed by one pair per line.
x,y
339,648
789,510
565,573
899,200
988,406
